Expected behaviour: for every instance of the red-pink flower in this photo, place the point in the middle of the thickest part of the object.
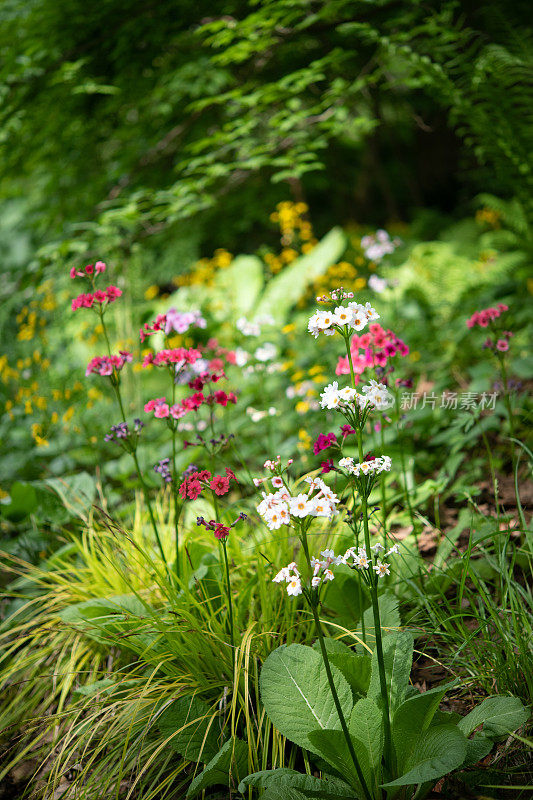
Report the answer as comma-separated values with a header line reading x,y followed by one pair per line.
x,y
221,531
99,267
162,411
502,345
219,485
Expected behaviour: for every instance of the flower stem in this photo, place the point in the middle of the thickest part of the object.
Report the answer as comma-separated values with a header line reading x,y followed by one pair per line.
x,y
174,486
325,659
230,603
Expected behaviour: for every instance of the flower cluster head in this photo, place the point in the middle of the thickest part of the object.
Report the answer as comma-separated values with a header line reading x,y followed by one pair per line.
x,y
101,297
377,246
178,356
181,321
106,365
164,410
486,316
281,508
324,442
122,431
373,396
249,328
354,316
358,558
195,483
372,349
371,466
163,468
221,531
89,271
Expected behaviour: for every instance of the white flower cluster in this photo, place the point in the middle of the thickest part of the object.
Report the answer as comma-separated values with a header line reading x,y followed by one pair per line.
x,y
354,315
380,245
377,465
374,394
278,508
248,328
256,415
322,571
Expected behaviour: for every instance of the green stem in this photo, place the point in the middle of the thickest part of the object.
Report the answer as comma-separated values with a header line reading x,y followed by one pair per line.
x,y
116,387
331,682
230,603
514,457
174,486
383,492
377,624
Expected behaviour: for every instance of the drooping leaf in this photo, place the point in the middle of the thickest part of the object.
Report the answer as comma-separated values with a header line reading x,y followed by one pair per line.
x,y
227,765
398,658
284,778
498,715
189,721
437,752
296,694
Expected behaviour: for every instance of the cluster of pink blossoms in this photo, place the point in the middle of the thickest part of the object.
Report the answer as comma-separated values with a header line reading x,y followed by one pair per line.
x,y
378,345
193,486
173,320
178,355
101,296
484,317
104,365
162,409
90,269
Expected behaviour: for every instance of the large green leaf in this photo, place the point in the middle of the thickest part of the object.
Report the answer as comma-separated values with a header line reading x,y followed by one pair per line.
x,y
398,657
22,501
189,721
296,693
498,715
437,752
366,727
283,777
77,493
354,666
285,289
240,284
389,617
332,746
231,760
412,718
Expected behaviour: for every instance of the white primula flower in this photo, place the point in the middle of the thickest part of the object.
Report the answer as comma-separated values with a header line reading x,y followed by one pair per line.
x,y
327,575
343,315
361,561
300,506
330,396
377,284
316,581
294,587
381,569
265,352
359,317
277,482
283,575
347,394
320,508
394,549
346,463
377,547
330,556
370,312
241,357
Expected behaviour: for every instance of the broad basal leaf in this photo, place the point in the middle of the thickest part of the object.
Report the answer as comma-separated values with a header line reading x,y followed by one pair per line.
x,y
412,718
366,727
189,721
228,764
498,715
398,657
437,752
284,778
296,693
332,746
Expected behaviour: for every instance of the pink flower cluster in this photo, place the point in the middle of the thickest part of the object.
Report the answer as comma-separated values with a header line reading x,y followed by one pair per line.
x,y
166,358
323,442
90,269
162,409
193,486
179,321
104,365
149,328
501,344
484,317
101,296
378,345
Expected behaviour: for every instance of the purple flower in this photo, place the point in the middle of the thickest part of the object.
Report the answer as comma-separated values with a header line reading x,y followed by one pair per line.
x,y
181,321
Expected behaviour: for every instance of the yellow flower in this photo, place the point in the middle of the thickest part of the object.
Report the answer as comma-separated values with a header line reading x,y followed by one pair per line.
x,y
289,328
69,413
151,292
36,356
41,403
414,355
359,283
56,394
20,364
302,407
298,376
68,394
40,442
307,247
3,494
28,407
46,363
54,418
9,405
288,255
93,439
78,386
